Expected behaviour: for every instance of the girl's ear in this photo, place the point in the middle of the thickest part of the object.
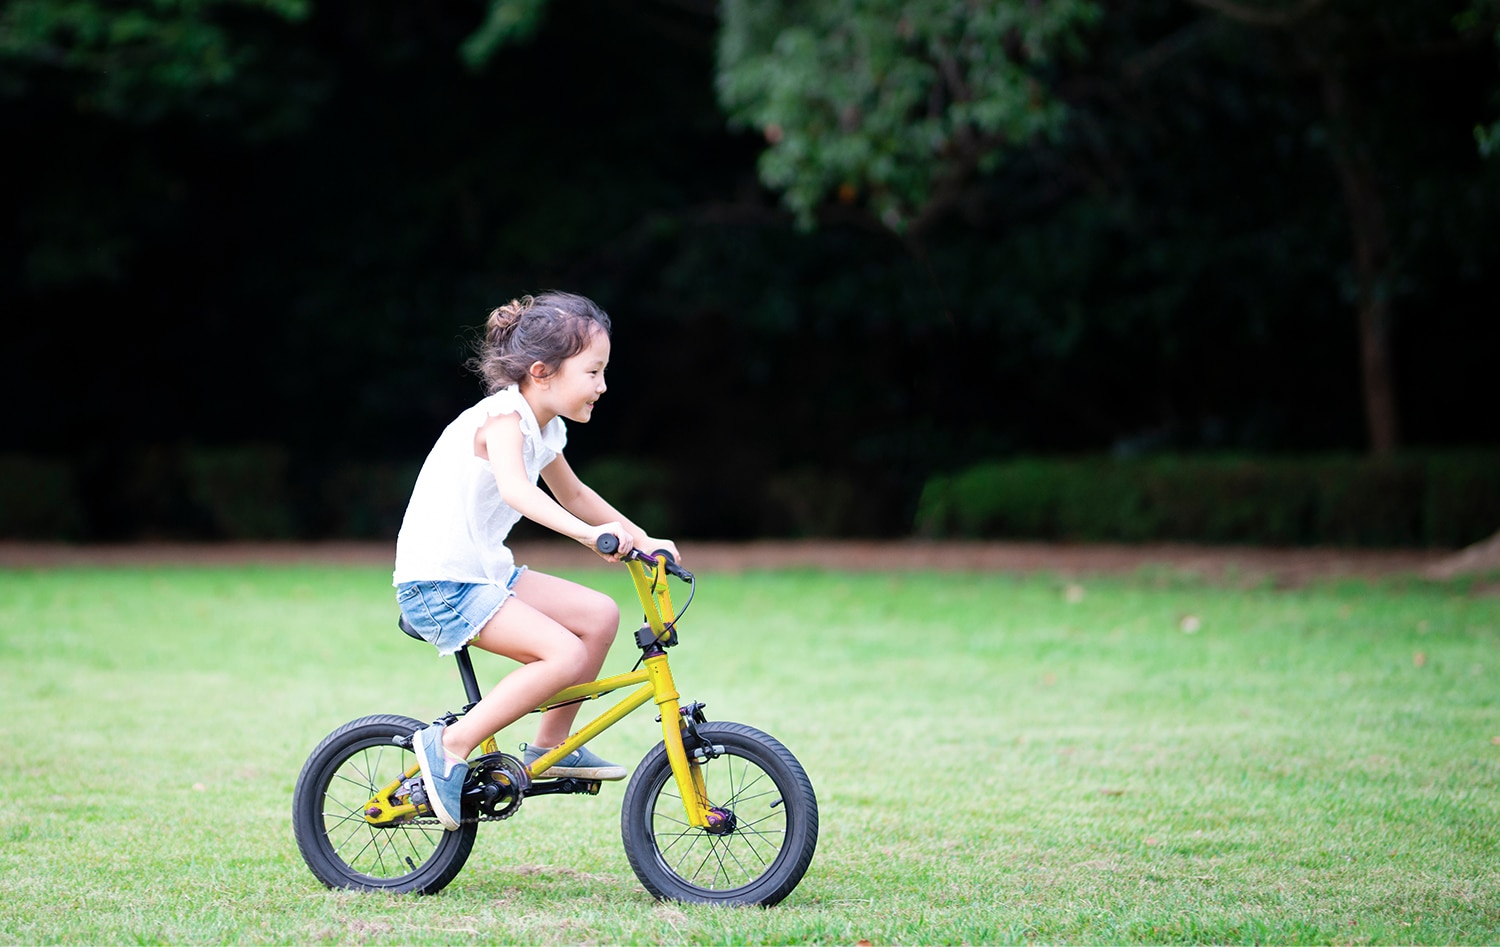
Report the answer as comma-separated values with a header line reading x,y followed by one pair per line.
x,y
539,374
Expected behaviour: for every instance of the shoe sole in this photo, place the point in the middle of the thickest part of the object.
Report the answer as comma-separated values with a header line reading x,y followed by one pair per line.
x,y
430,785
583,772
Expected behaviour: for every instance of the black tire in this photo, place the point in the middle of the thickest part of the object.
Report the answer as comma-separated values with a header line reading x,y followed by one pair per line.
x,y
342,849
767,845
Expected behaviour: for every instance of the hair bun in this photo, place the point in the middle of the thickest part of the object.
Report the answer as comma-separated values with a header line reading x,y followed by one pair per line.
x,y
504,319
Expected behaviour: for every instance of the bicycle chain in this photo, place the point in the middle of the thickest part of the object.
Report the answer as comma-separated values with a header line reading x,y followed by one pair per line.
x,y
426,821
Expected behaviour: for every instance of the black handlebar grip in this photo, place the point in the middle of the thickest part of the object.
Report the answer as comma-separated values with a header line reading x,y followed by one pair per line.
x,y
607,543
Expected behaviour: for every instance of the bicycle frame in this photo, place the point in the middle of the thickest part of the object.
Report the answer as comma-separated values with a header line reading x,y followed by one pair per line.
x,y
655,685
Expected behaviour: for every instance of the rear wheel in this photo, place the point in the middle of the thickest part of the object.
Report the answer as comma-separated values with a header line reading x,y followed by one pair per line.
x,y
344,850
766,823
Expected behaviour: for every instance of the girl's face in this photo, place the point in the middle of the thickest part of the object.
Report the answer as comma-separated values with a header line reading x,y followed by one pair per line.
x,y
578,382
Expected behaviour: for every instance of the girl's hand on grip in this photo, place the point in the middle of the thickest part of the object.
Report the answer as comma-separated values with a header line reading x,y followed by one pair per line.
x,y
611,540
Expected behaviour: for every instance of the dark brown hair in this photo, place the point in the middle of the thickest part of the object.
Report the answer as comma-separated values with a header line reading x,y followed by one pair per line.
x,y
547,328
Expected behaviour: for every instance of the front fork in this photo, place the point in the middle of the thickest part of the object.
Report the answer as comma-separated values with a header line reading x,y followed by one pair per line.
x,y
675,721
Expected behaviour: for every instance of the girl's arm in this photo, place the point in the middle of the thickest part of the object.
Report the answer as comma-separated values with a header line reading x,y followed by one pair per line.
x,y
500,441
581,499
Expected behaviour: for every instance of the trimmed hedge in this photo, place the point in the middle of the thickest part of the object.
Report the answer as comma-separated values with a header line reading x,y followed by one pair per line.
x,y
38,499
1439,500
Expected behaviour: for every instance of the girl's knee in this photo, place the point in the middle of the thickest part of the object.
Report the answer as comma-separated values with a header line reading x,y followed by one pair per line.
x,y
609,618
569,661
601,620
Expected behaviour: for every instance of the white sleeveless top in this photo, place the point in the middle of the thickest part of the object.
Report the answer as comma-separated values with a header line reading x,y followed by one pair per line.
x,y
456,524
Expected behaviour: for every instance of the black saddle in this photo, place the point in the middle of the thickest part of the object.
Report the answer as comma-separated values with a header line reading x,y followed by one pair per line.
x,y
406,627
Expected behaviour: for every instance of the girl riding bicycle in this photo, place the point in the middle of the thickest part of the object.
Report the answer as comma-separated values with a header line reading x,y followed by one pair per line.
x,y
457,583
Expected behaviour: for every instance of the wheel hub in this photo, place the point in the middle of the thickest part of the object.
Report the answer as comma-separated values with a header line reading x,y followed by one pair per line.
x,y
721,822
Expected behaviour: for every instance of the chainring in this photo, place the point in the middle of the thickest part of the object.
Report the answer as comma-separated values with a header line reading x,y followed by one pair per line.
x,y
501,780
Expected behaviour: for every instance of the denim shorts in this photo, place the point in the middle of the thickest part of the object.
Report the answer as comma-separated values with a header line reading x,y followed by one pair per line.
x,y
449,615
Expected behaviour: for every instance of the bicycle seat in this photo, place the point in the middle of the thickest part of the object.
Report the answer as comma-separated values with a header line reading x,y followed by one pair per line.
x,y
406,627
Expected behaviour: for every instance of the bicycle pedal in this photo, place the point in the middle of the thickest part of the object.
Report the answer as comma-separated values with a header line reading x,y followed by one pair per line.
x,y
564,785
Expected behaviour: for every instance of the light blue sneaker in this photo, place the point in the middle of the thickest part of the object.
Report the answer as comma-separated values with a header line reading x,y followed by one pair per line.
x,y
441,777
582,763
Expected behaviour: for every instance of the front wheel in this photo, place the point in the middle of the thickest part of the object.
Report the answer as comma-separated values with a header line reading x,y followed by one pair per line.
x,y
342,848
766,822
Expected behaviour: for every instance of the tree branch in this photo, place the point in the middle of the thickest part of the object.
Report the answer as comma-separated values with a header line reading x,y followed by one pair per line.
x,y
1259,16
1158,54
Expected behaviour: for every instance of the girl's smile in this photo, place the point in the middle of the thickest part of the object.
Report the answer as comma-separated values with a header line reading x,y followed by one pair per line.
x,y
575,387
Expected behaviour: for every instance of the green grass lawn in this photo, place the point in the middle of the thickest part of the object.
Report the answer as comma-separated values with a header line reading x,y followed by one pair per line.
x,y
997,759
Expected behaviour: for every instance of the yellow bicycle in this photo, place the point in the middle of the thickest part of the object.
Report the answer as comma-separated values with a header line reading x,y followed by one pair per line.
x,y
715,813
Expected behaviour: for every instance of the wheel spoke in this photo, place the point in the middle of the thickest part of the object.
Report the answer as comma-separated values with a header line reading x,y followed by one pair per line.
x,y
711,855
745,871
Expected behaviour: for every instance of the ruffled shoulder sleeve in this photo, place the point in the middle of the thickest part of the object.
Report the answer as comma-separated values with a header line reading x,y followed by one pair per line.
x,y
553,437
510,401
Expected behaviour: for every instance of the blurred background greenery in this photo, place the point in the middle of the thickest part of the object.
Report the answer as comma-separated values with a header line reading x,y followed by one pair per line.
x,y
1220,270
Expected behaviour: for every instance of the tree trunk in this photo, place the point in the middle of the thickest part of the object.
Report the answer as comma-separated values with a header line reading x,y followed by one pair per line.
x,y
1303,23
1372,260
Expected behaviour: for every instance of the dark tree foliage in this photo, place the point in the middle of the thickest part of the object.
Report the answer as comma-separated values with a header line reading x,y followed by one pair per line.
x,y
295,259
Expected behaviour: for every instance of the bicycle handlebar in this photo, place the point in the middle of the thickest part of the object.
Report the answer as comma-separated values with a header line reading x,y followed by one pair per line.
x,y
607,543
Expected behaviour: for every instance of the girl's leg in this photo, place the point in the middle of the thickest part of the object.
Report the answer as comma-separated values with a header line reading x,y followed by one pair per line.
x,y
591,616
551,655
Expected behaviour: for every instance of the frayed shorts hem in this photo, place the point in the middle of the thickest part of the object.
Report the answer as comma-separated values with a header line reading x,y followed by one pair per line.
x,y
450,615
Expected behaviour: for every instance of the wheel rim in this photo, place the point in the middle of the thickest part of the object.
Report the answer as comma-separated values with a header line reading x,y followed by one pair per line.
x,y
718,860
377,853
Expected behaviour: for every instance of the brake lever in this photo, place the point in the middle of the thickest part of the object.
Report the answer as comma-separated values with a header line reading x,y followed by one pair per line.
x,y
671,565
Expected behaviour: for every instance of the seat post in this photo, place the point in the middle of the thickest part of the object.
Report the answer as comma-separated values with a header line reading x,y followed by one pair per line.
x,y
466,674
465,666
